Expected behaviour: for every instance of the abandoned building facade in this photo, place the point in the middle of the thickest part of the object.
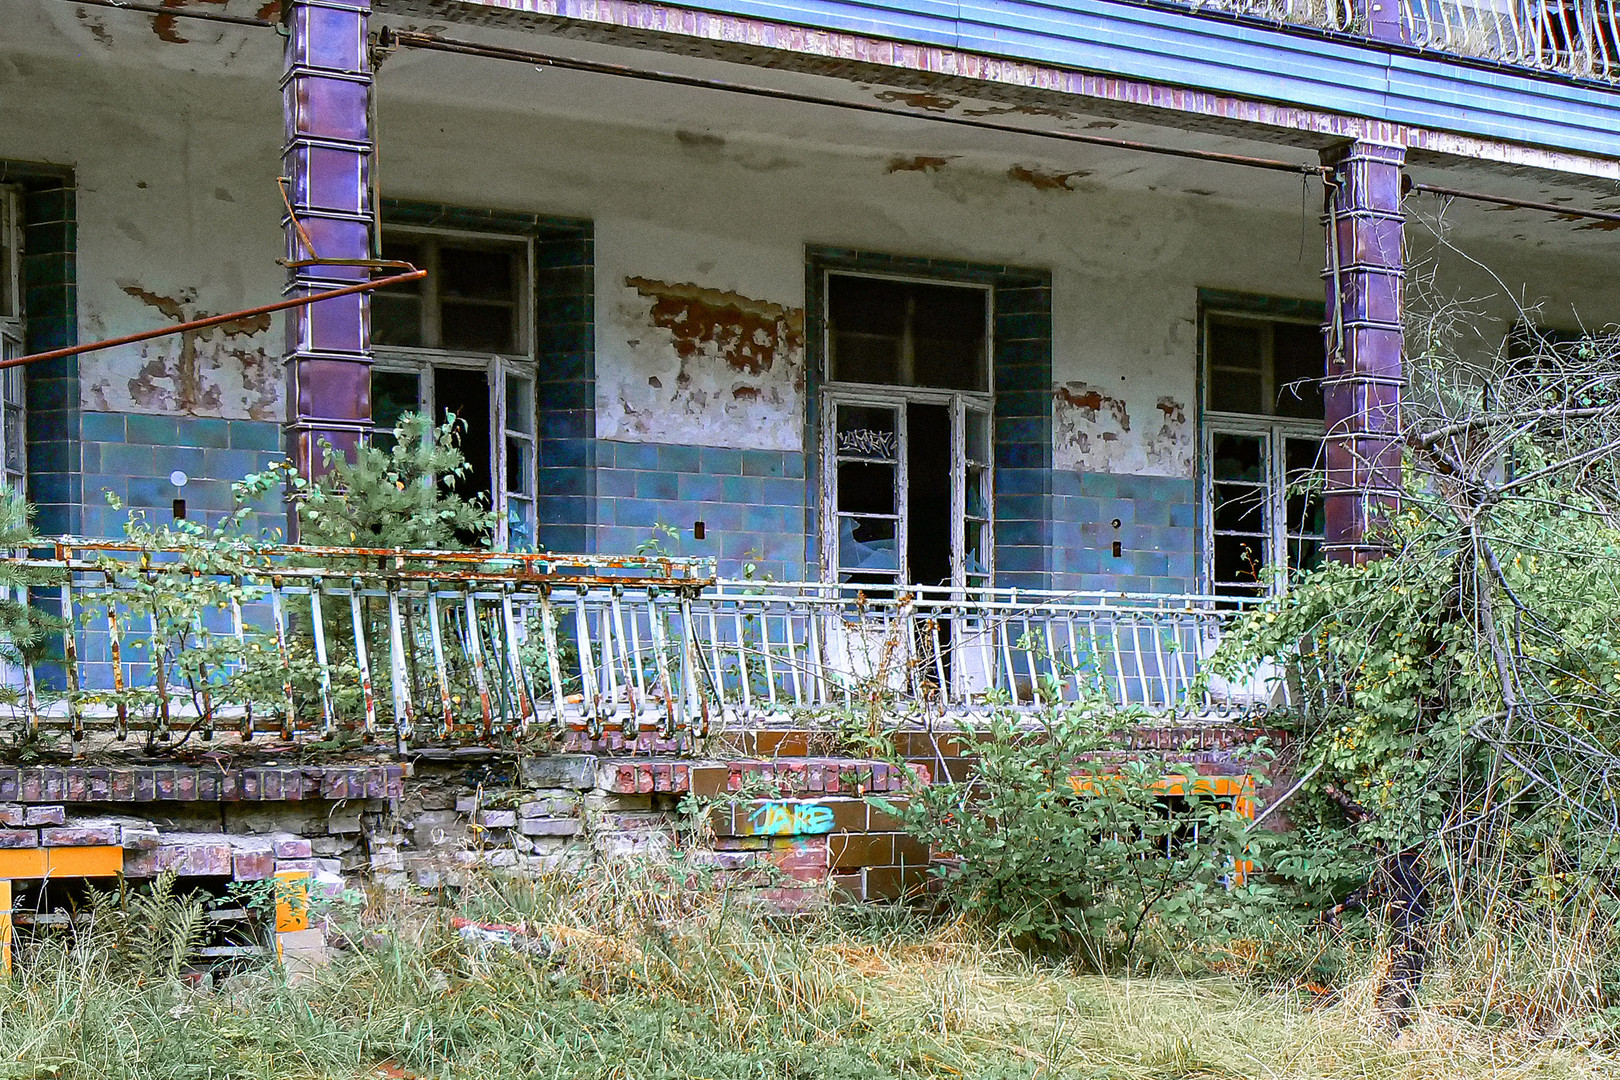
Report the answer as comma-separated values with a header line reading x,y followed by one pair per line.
x,y
1046,308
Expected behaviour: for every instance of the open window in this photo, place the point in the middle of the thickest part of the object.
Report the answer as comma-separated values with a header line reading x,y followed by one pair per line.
x,y
1262,457
906,439
461,342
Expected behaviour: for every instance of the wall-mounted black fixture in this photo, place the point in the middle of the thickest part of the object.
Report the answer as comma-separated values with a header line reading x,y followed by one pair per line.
x,y
1118,548
698,530
179,509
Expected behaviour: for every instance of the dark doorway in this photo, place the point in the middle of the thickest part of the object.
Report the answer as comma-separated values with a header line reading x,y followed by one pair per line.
x,y
928,505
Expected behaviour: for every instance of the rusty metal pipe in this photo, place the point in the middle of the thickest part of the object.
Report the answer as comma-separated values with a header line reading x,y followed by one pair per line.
x,y
1518,204
216,320
390,38
177,12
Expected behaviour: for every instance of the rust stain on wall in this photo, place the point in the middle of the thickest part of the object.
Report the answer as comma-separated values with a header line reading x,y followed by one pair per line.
x,y
915,99
919,163
208,372
1045,179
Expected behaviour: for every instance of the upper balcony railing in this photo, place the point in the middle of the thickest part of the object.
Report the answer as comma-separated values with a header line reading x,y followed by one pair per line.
x,y
407,648
1579,38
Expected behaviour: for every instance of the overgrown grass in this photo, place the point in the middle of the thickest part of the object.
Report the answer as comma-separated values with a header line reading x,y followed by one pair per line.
x,y
633,978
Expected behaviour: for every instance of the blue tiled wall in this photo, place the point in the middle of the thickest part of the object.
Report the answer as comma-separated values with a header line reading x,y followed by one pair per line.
x,y
1157,533
132,455
751,503
50,298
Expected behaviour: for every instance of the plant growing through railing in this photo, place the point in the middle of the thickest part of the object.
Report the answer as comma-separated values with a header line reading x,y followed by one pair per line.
x,y
395,495
171,607
27,632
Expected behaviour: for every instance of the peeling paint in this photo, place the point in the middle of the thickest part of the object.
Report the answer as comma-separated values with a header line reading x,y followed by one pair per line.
x,y
210,372
1024,110
96,28
1092,432
919,163
706,366
918,99
1046,179
167,27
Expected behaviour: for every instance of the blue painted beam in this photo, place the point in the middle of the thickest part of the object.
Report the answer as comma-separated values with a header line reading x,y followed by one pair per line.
x,y
1221,55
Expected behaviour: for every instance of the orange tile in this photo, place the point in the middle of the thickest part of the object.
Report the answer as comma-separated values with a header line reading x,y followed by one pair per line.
x,y
84,861
22,863
292,900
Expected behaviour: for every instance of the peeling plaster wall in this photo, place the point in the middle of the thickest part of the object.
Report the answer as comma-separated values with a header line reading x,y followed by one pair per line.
x,y
700,250
707,350
700,247
178,212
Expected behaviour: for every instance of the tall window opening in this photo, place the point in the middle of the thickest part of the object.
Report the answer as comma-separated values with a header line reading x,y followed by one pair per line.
x,y
461,342
13,428
1263,466
906,409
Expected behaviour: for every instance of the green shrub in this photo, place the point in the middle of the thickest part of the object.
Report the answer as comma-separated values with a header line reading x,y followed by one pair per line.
x,y
1064,848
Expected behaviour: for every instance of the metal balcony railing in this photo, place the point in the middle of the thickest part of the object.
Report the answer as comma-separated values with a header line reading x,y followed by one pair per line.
x,y
408,648
1571,37
1579,38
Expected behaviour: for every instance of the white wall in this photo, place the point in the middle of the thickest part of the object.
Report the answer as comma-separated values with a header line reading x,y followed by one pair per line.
x,y
177,202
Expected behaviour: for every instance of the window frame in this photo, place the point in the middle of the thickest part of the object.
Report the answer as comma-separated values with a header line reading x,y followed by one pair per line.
x,y
834,393
420,361
1273,429
13,341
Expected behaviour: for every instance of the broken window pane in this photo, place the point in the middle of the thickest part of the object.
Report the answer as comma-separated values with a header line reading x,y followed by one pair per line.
x,y
867,544
1305,474
397,311
16,448
1239,457
470,327
393,394
866,488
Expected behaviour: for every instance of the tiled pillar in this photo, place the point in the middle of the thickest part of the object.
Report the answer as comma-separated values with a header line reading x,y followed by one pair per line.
x,y
1380,19
326,89
1365,375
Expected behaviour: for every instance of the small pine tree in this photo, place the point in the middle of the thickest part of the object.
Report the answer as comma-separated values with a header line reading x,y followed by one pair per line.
x,y
27,633
394,497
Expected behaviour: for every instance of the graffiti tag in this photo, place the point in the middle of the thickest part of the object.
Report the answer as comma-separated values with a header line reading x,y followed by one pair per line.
x,y
790,819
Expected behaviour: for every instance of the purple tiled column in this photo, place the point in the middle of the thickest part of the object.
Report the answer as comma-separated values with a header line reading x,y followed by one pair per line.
x,y
1364,379
326,90
1380,19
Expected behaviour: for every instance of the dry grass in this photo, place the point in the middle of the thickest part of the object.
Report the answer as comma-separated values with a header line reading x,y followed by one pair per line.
x,y
636,978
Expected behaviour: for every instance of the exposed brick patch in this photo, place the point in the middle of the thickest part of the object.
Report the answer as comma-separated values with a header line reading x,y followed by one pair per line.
x,y
187,784
81,836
